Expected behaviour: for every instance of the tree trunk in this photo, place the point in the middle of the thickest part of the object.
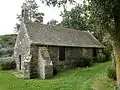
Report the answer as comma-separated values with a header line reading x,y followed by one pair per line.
x,y
116,36
113,60
117,57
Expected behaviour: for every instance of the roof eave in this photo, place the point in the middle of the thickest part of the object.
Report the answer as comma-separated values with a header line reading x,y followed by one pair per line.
x,y
37,43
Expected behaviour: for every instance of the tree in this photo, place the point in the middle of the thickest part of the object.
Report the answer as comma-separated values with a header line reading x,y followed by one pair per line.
x,y
79,18
38,17
107,13
33,14
57,2
74,19
52,22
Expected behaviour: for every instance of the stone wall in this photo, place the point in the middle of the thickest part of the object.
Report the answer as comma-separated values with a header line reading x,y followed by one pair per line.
x,y
45,60
87,52
72,55
45,64
54,53
22,47
34,62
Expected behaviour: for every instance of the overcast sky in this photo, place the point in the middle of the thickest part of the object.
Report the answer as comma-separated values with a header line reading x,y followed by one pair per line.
x,y
9,9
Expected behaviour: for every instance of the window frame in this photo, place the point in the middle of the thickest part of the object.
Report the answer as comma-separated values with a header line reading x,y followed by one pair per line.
x,y
61,53
20,62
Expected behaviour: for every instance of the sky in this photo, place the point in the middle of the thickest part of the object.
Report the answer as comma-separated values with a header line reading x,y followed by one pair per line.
x,y
10,8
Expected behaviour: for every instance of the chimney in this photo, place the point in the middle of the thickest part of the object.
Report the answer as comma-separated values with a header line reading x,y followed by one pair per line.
x,y
25,13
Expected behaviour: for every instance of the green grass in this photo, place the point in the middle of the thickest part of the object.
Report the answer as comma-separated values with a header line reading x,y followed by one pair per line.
x,y
75,79
102,82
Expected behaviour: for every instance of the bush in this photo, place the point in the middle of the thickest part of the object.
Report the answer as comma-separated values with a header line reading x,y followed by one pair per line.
x,y
101,57
6,51
7,63
102,82
107,51
111,73
85,61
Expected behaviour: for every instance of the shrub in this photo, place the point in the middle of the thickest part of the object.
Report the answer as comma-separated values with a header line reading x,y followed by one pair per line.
x,y
108,57
7,63
95,59
6,51
85,61
107,51
102,82
111,73
101,57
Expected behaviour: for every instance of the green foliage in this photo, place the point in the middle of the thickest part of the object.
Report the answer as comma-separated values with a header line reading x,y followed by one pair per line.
x,y
111,73
38,17
101,57
57,2
7,39
52,22
6,51
79,18
107,41
7,63
102,82
7,43
107,52
33,13
85,61
106,13
76,18
102,13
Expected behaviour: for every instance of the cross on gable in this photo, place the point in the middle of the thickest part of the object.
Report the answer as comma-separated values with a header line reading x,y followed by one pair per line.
x,y
24,10
24,6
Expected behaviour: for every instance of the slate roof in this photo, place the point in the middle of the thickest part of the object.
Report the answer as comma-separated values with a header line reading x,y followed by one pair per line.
x,y
58,36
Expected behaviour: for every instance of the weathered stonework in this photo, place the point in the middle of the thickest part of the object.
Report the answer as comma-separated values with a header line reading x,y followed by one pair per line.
x,y
45,64
22,48
41,61
34,62
36,51
72,55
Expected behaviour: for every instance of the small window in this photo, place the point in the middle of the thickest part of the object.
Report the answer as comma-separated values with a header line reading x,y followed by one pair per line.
x,y
94,52
100,51
62,53
19,62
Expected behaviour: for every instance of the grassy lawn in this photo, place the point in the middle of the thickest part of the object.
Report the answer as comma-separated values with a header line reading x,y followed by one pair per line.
x,y
75,79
